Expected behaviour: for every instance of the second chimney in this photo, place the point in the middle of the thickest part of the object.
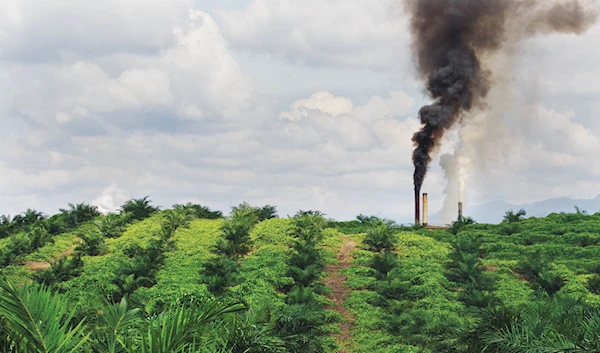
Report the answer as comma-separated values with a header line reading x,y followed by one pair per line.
x,y
425,211
460,210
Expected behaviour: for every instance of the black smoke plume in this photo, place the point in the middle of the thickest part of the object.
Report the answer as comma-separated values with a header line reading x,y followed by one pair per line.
x,y
451,39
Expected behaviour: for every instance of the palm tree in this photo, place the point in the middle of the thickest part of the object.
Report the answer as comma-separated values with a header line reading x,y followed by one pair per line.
x,y
139,209
367,220
28,217
559,326
382,235
79,213
236,232
38,320
309,227
459,224
199,211
267,212
511,216
6,226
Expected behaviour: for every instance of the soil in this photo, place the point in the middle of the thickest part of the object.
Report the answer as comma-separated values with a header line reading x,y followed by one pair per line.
x,y
36,265
336,280
43,265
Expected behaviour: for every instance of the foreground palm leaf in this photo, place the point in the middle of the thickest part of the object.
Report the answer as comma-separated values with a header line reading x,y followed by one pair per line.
x,y
177,329
39,320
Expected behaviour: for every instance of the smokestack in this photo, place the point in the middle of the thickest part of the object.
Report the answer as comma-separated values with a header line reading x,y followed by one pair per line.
x,y
417,209
460,210
425,211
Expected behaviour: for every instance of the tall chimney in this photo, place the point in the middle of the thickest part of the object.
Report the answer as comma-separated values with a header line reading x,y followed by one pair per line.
x,y
417,209
460,210
425,206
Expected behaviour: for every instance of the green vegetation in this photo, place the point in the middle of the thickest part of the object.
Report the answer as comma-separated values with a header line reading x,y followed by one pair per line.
x,y
188,279
527,285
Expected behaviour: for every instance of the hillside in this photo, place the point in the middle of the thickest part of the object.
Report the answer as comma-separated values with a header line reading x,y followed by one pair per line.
x,y
190,280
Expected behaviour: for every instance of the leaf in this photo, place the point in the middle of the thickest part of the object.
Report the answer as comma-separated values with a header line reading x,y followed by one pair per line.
x,y
39,319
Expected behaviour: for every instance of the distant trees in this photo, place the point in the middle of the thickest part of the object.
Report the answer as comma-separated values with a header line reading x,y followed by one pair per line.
x,y
138,209
23,244
28,218
199,211
79,213
512,217
261,213
22,221
580,211
459,224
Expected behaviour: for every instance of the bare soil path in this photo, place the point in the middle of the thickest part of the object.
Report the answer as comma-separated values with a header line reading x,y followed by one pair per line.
x,y
336,280
35,266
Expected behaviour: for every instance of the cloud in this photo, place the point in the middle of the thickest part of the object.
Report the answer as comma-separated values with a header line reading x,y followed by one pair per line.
x,y
150,98
322,33
34,31
111,199
195,80
324,119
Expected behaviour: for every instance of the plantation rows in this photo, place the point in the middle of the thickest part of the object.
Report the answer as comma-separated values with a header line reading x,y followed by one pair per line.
x,y
248,283
189,279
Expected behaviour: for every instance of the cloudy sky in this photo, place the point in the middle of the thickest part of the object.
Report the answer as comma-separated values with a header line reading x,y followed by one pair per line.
x,y
300,104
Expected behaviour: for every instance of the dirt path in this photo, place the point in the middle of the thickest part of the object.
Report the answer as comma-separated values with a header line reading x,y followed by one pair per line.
x,y
36,266
336,280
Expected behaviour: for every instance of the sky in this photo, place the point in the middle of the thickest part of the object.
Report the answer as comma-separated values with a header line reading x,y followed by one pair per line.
x,y
299,104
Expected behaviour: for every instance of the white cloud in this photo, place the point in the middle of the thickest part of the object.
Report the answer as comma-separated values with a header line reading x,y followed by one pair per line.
x,y
323,101
151,96
325,119
110,199
36,31
365,33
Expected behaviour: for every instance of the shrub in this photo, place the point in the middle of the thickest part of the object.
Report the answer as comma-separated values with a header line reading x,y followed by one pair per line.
x,y
384,263
61,270
594,284
111,226
219,274
550,282
531,266
382,236
302,325
92,245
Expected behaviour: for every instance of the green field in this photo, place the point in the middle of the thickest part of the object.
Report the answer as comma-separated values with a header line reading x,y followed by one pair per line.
x,y
252,282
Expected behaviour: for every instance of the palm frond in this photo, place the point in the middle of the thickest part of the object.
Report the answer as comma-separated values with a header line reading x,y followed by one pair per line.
x,y
39,319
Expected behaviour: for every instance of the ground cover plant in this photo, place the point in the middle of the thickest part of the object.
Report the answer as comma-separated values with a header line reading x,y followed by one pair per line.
x,y
189,279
